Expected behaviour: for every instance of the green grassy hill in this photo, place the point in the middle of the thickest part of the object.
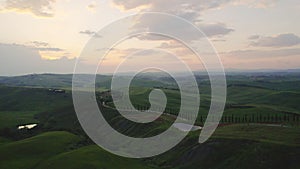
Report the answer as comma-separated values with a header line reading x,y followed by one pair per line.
x,y
285,101
30,152
56,150
31,99
237,147
90,157
19,105
231,147
59,142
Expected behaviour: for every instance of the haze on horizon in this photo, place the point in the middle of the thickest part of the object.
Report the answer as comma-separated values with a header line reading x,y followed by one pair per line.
x,y
47,36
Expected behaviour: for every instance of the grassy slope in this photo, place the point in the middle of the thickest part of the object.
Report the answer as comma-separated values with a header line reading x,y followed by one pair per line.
x,y
285,101
263,100
52,150
91,157
15,118
29,99
240,154
19,105
231,147
4,140
30,152
237,147
270,134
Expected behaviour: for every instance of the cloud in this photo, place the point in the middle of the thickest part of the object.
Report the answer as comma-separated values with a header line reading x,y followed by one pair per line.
x,y
256,3
218,40
181,6
167,25
215,29
173,6
20,59
282,40
264,53
43,46
122,53
170,45
39,43
42,8
131,4
262,59
191,10
90,33
253,37
87,32
50,49
92,6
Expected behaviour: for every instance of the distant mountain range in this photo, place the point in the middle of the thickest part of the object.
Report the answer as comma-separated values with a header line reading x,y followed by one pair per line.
x,y
142,79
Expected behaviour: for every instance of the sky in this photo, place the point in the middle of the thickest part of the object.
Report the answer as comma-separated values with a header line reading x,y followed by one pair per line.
x,y
49,36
